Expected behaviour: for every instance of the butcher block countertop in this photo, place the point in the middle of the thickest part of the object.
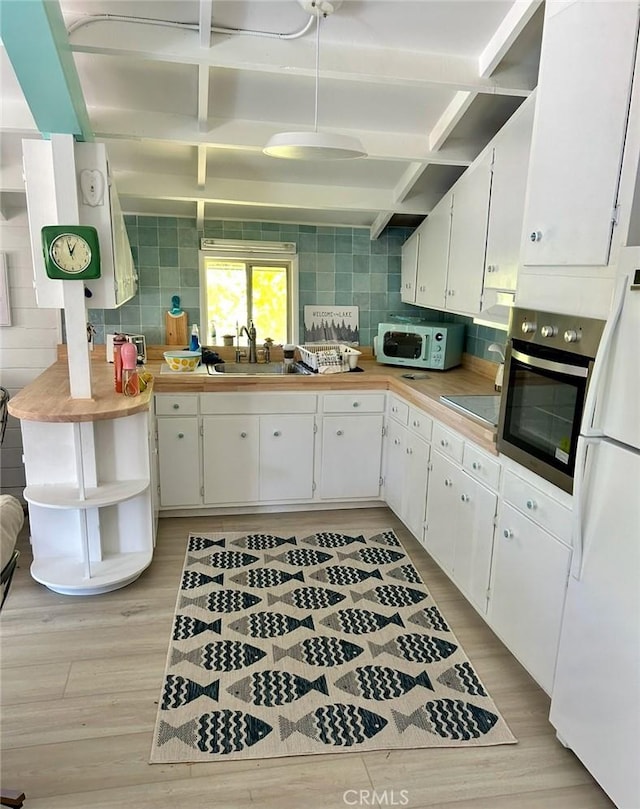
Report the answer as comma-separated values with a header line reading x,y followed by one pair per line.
x,y
47,398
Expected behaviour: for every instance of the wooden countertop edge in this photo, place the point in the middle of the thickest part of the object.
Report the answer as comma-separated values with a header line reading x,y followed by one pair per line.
x,y
47,398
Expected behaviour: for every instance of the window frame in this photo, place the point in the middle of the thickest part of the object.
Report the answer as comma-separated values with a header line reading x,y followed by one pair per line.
x,y
263,259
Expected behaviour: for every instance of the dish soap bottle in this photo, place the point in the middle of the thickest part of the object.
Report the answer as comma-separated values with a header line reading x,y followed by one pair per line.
x,y
212,330
194,345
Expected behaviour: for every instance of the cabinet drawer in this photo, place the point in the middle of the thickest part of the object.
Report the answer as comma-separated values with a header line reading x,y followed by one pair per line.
x,y
398,410
181,405
420,423
538,506
447,443
354,403
254,403
481,466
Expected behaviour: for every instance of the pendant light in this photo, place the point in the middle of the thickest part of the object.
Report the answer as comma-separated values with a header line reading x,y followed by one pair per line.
x,y
315,145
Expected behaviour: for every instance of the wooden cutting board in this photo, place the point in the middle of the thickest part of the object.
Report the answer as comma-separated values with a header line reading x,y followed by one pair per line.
x,y
176,330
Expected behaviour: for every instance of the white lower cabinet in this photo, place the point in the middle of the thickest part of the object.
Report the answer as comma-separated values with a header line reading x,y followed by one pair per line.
x,y
248,459
459,527
528,586
351,456
179,460
230,453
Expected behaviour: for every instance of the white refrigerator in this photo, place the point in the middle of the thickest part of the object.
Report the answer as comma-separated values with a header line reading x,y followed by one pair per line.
x,y
595,704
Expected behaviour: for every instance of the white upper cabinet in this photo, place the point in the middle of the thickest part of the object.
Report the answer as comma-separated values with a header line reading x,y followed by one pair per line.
x,y
512,146
410,251
433,256
583,97
469,237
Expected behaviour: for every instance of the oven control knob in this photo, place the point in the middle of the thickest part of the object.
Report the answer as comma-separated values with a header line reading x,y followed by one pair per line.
x,y
528,327
571,336
439,336
548,331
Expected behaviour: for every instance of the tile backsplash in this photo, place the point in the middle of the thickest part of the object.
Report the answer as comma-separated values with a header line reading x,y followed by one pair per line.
x,y
337,266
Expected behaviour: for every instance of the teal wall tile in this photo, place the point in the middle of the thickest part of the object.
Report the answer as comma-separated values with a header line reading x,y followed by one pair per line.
x,y
337,265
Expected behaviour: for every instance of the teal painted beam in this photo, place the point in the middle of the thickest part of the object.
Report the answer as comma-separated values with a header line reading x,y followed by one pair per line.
x,y
35,39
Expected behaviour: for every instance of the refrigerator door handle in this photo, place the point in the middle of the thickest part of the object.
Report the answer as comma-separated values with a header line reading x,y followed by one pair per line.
x,y
579,502
602,360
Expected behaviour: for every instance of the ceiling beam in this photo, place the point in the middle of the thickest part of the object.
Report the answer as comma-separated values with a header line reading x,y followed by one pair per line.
x,y
506,34
412,174
205,18
449,118
250,136
202,166
203,98
254,54
200,214
35,39
254,192
379,224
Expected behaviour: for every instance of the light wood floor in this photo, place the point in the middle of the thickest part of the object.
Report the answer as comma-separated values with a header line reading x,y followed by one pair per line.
x,y
81,679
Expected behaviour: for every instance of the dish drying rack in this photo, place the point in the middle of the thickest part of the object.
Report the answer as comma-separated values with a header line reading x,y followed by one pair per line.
x,y
328,357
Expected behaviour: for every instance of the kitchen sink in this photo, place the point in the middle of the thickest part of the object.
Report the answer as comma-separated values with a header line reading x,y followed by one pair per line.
x,y
252,368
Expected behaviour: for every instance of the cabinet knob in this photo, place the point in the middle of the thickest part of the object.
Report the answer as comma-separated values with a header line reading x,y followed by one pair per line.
x,y
444,442
475,465
416,423
409,451
535,235
448,482
180,435
491,268
532,505
396,441
356,404
176,407
464,498
507,533
276,433
339,432
243,435
394,409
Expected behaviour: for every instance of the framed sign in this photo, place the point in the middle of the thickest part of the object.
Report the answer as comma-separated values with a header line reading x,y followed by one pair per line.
x,y
331,324
5,308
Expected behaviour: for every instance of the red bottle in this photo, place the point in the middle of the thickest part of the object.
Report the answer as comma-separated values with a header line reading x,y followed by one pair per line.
x,y
118,341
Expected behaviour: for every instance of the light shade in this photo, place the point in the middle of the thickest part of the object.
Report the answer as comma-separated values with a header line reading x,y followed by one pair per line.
x,y
314,146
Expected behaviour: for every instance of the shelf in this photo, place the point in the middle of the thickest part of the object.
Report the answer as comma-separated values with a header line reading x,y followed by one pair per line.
x,y
65,496
65,575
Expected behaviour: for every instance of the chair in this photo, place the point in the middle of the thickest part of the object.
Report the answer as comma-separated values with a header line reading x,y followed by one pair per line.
x,y
11,522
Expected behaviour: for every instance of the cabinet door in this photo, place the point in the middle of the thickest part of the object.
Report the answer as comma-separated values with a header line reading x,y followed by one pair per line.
x,y
416,479
508,188
230,447
286,457
442,513
584,84
410,251
528,585
395,466
433,255
351,456
474,540
469,238
179,461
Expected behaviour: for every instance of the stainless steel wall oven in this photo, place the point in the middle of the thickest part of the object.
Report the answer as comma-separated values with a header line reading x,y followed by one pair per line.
x,y
548,364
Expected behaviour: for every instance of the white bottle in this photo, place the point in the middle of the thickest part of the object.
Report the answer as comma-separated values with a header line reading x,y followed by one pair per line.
x,y
212,330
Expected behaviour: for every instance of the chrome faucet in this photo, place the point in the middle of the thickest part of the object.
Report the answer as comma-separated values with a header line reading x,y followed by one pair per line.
x,y
251,336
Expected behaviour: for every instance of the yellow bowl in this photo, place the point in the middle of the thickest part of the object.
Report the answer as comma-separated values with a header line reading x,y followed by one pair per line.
x,y
182,360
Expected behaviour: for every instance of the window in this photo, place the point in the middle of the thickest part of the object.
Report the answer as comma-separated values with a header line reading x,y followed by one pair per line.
x,y
235,291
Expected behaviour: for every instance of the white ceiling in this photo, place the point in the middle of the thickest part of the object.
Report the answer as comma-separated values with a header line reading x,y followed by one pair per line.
x,y
185,112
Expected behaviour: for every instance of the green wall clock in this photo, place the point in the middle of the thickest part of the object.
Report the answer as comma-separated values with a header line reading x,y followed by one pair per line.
x,y
71,251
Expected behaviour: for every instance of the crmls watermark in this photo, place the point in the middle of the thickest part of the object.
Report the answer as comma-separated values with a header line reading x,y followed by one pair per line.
x,y
370,797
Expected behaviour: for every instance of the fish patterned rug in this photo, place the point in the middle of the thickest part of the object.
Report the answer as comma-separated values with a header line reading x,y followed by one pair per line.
x,y
312,643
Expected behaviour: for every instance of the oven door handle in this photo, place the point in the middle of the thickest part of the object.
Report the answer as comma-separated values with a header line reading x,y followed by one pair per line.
x,y
550,365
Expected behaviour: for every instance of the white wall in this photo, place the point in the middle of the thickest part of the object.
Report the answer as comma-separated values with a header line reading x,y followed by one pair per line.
x,y
28,346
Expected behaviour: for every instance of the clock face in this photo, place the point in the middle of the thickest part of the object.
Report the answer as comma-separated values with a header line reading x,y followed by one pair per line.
x,y
71,253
